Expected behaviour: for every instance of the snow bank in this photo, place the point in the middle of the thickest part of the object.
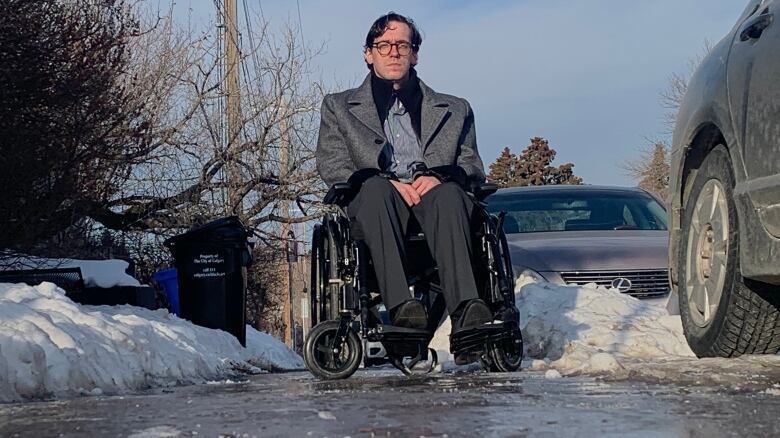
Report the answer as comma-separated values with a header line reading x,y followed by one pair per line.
x,y
587,329
50,346
595,331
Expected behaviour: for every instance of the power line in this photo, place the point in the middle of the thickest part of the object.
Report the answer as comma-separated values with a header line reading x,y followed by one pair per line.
x,y
256,65
303,40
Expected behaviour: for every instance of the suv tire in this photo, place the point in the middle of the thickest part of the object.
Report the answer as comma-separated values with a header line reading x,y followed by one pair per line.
x,y
722,313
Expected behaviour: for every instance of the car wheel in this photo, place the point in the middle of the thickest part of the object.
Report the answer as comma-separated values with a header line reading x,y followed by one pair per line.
x,y
722,313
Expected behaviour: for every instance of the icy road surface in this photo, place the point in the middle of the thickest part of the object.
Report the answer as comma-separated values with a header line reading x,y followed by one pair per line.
x,y
385,403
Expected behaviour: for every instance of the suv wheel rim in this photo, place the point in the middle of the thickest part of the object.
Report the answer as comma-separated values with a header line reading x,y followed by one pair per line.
x,y
707,253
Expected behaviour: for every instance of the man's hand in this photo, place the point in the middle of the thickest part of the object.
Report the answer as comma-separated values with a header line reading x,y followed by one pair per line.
x,y
425,183
410,195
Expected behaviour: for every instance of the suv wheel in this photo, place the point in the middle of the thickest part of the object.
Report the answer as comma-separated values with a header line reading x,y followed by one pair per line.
x,y
722,313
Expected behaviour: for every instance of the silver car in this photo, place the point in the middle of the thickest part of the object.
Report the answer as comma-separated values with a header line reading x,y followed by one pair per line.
x,y
568,234
724,247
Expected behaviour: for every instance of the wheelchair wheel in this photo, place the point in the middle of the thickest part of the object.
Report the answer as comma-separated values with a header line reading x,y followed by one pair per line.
x,y
316,274
506,357
325,295
323,361
332,254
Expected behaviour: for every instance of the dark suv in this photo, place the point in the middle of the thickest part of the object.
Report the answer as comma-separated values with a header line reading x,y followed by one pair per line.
x,y
724,247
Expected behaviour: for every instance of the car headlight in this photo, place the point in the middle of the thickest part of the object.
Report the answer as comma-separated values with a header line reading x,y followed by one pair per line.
x,y
531,274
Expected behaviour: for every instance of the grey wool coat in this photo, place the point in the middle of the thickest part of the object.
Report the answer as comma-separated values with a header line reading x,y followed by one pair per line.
x,y
351,136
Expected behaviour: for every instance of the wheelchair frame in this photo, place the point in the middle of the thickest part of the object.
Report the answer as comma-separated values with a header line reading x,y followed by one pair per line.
x,y
341,302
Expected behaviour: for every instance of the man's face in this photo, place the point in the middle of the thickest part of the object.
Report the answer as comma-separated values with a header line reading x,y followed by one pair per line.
x,y
393,66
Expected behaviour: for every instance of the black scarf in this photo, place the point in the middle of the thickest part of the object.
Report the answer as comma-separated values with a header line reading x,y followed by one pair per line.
x,y
410,96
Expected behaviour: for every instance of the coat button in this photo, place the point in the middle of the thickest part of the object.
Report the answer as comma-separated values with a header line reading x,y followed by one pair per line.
x,y
379,141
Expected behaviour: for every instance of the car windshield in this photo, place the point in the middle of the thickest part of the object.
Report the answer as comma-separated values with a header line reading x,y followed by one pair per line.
x,y
535,211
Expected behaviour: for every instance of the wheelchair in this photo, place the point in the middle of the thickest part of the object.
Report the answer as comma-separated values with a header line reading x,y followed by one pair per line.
x,y
349,325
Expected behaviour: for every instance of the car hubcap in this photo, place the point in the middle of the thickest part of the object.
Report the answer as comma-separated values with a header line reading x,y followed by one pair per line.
x,y
707,253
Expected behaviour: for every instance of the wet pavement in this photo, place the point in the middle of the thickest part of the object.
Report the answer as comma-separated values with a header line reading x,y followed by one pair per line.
x,y
382,403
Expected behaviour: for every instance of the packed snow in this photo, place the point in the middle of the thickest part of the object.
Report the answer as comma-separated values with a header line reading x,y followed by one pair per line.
x,y
53,347
597,331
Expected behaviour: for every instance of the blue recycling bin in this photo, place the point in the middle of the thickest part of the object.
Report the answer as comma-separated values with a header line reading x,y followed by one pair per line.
x,y
168,279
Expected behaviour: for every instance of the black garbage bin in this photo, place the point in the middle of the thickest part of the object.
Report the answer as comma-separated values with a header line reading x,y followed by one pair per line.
x,y
211,261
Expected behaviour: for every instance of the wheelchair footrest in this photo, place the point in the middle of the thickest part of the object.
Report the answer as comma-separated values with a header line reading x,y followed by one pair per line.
x,y
476,339
401,342
390,333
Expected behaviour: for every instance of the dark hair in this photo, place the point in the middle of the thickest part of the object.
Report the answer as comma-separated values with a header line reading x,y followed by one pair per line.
x,y
380,26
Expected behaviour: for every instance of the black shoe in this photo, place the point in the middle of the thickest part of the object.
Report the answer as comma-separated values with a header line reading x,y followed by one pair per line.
x,y
470,314
409,314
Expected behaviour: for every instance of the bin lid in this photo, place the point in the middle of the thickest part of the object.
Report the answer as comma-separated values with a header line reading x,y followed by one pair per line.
x,y
227,230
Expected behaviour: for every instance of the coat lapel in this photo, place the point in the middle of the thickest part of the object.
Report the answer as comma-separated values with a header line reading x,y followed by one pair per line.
x,y
362,106
434,111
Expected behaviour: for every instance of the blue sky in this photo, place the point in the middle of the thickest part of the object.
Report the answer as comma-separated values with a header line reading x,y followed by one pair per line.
x,y
586,75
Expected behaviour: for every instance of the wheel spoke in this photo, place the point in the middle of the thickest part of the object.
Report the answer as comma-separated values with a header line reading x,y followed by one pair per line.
x,y
717,224
715,197
326,348
695,223
700,297
703,216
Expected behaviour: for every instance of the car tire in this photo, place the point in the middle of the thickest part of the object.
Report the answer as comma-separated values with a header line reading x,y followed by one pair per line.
x,y
723,314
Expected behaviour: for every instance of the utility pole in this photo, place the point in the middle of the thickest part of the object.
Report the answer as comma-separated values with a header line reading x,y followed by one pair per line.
x,y
232,107
292,257
284,211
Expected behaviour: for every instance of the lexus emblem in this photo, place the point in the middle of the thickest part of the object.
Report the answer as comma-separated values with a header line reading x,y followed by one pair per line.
x,y
621,284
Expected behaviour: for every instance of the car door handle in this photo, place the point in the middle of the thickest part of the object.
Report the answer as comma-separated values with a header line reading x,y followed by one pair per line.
x,y
756,27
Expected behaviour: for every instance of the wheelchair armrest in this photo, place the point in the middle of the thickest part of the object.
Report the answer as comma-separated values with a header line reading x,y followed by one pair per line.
x,y
339,194
483,190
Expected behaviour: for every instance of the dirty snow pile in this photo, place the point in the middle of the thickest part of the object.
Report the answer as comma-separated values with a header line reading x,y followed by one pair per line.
x,y
570,330
51,346
594,330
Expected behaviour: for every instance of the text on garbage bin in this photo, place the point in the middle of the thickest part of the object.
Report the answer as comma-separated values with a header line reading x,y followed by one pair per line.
x,y
208,270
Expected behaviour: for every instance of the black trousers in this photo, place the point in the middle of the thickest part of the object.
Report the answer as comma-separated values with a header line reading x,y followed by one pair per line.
x,y
444,215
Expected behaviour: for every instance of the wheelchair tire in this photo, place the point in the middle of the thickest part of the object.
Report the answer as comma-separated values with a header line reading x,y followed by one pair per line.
x,y
321,360
331,270
316,275
505,358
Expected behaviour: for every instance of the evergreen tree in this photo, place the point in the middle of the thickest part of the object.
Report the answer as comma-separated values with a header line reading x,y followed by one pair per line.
x,y
502,172
531,167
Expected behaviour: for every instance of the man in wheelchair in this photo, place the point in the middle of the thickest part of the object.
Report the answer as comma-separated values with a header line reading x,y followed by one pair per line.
x,y
402,163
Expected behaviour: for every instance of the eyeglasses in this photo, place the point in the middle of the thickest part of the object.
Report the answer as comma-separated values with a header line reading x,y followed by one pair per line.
x,y
383,47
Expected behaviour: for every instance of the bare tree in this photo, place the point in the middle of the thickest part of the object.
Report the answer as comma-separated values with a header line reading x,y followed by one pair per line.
x,y
199,170
651,169
185,180
671,98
